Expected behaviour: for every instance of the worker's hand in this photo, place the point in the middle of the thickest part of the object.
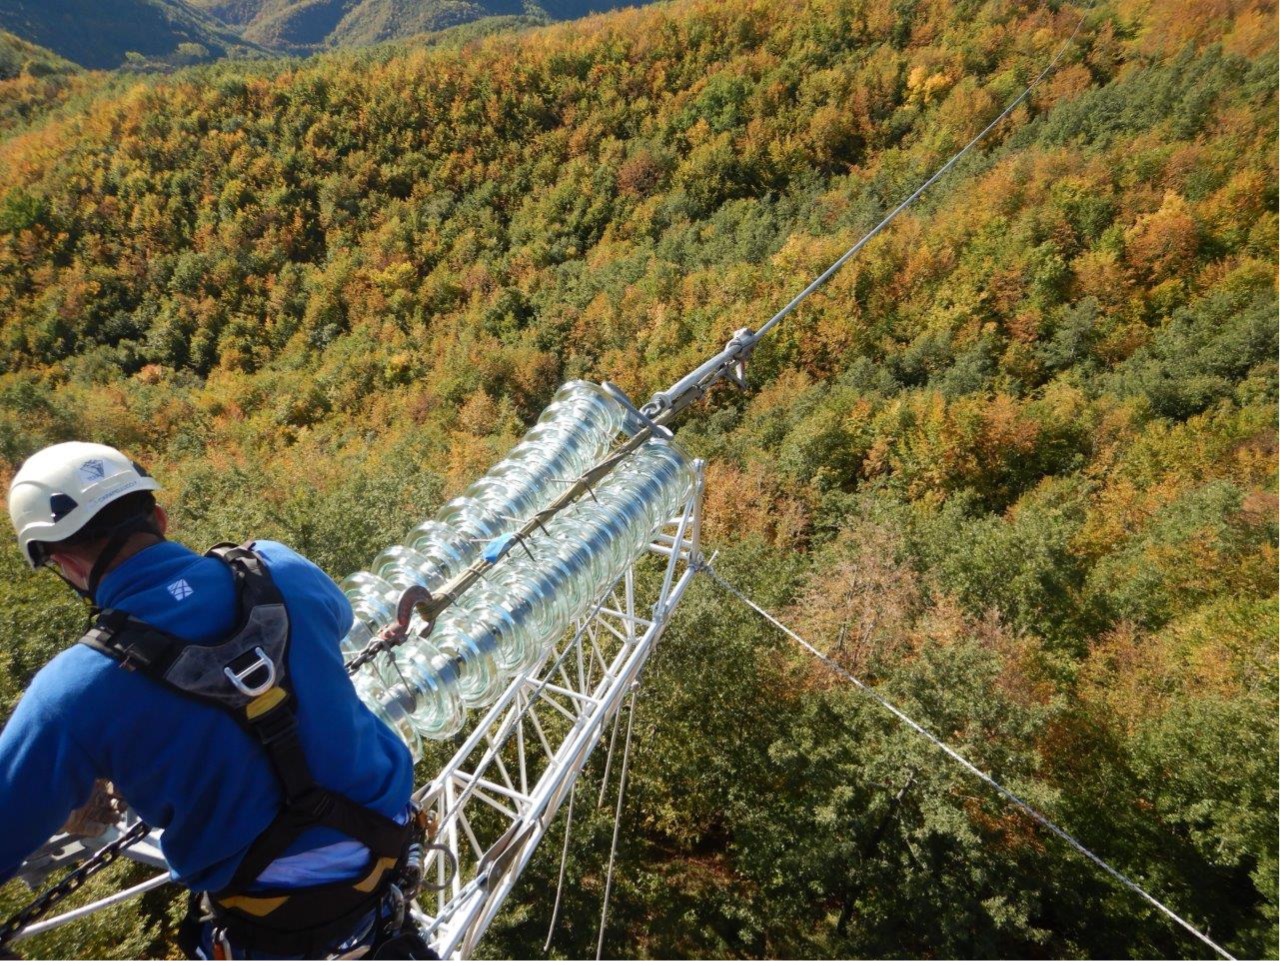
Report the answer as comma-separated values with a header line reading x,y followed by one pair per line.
x,y
96,815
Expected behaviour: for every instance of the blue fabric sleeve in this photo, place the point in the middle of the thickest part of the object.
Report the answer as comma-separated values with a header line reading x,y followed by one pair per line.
x,y
338,600
44,775
295,570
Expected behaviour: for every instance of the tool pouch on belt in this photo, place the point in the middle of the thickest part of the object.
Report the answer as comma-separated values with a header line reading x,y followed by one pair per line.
x,y
247,675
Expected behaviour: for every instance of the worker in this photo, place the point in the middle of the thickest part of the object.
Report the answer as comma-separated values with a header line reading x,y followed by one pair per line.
x,y
211,692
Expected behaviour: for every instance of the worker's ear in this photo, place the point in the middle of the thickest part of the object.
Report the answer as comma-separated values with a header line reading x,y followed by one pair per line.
x,y
74,567
162,519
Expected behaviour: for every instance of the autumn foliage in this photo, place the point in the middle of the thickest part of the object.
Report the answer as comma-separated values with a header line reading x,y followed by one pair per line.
x,y
1016,465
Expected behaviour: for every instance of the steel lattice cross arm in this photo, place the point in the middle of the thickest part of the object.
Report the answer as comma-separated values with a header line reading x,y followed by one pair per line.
x,y
499,793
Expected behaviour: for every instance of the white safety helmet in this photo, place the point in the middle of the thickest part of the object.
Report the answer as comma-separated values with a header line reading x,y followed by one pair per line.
x,y
60,489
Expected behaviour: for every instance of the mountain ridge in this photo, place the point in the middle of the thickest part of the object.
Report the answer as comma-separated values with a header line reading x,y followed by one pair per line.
x,y
305,25
100,35
167,34
35,81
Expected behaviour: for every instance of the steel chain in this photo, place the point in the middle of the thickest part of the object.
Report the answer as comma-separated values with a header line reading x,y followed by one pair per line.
x,y
366,655
70,883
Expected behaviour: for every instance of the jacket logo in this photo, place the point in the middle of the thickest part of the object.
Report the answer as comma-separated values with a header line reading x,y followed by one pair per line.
x,y
92,470
180,589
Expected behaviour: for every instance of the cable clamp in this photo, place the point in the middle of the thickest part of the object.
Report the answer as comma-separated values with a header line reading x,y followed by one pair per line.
x,y
741,344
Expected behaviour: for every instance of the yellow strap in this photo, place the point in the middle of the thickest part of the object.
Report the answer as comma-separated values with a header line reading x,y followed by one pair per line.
x,y
255,907
265,702
376,875
266,905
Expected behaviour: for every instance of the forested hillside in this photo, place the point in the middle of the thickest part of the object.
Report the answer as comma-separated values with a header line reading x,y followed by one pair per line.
x,y
109,33
34,80
308,24
1016,466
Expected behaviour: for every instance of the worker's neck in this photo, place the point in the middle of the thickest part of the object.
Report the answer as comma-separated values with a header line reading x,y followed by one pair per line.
x,y
136,543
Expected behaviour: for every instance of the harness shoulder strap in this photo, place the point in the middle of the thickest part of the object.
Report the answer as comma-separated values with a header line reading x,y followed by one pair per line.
x,y
136,645
247,676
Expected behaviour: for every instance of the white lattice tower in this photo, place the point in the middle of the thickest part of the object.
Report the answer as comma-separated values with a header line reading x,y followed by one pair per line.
x,y
500,792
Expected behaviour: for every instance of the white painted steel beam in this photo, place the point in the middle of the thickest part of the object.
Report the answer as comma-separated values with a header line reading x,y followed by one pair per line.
x,y
602,669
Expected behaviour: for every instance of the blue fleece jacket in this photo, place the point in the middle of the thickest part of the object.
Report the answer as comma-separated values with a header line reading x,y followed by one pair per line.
x,y
185,766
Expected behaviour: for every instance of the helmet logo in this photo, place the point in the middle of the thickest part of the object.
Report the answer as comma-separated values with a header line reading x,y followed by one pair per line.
x,y
92,470
180,589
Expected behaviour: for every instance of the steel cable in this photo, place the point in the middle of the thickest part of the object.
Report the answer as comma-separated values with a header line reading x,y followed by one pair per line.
x,y
993,783
561,874
940,173
619,811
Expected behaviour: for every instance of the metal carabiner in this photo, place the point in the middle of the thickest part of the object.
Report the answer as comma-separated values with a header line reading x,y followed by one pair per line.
x,y
220,945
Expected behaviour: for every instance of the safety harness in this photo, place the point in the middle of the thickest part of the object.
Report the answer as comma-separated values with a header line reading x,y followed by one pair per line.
x,y
247,675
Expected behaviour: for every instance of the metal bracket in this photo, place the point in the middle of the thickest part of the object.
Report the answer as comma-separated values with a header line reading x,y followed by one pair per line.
x,y
620,397
729,363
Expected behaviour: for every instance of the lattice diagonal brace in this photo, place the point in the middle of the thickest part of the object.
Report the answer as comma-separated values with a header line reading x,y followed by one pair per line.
x,y
499,793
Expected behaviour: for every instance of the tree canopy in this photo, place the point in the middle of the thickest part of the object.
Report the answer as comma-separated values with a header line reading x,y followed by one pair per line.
x,y
1016,465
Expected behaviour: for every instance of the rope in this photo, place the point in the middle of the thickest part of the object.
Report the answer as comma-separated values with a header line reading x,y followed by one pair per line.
x,y
1002,790
619,811
561,874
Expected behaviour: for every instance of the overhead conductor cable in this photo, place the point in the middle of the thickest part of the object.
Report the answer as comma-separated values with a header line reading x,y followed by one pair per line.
x,y
663,406
989,780
944,169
